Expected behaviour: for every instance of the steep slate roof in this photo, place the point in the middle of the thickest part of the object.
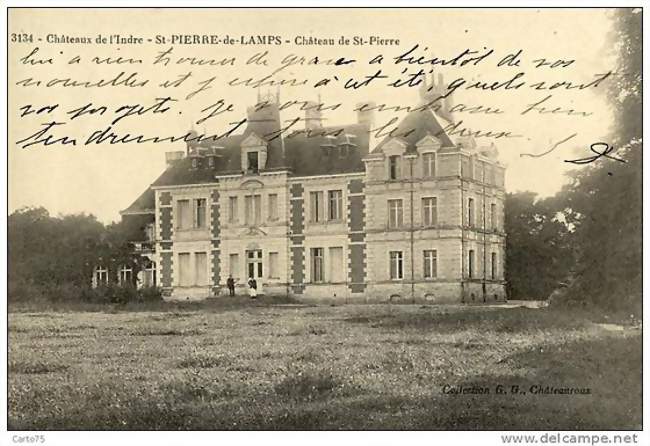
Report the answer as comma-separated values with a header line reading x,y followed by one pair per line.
x,y
314,155
181,171
304,153
144,204
415,126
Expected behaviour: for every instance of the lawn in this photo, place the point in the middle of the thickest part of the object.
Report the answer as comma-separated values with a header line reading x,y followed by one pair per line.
x,y
264,365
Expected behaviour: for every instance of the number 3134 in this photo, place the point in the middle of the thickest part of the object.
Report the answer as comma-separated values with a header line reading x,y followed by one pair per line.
x,y
22,37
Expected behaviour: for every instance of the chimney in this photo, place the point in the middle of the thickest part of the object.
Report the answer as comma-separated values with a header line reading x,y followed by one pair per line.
x,y
447,103
423,88
366,113
192,143
441,105
366,116
313,116
172,157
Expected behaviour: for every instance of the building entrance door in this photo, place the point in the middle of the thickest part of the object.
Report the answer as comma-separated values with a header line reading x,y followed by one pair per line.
x,y
254,267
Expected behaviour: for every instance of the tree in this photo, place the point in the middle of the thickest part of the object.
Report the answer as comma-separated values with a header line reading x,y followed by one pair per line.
x,y
604,198
47,250
539,254
47,253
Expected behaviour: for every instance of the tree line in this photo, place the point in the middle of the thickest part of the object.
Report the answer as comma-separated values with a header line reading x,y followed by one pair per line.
x,y
588,237
54,258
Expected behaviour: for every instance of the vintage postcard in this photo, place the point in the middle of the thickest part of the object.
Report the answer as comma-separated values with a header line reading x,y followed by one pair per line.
x,y
279,219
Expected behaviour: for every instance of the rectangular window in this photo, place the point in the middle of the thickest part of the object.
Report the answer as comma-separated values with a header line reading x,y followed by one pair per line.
x,y
101,275
430,264
335,199
184,276
493,216
253,209
396,265
470,264
125,275
254,263
470,212
317,206
336,269
393,167
273,207
233,211
430,211
234,265
395,214
257,205
273,265
200,212
252,158
493,266
201,268
429,160
317,263
248,209
149,278
184,214
150,232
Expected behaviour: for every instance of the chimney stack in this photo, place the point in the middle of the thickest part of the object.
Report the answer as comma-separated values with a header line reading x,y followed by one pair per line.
x,y
366,116
313,116
366,113
434,93
172,157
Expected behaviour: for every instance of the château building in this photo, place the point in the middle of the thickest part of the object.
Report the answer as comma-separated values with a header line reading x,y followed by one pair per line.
x,y
328,213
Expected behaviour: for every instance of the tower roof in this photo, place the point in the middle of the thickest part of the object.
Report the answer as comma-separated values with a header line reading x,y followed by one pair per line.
x,y
417,124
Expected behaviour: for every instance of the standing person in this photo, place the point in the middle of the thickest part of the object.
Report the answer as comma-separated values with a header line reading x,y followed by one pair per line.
x,y
231,285
252,288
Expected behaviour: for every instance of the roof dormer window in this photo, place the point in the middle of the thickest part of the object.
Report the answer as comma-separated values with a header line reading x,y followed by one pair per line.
x,y
393,167
253,154
346,145
253,162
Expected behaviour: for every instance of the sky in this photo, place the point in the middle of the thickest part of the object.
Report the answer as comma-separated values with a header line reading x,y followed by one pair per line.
x,y
103,179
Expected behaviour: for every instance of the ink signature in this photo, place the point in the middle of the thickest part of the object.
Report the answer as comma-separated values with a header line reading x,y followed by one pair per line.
x,y
601,150
555,146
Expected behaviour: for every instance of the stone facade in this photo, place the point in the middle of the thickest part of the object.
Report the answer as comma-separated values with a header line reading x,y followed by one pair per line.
x,y
417,218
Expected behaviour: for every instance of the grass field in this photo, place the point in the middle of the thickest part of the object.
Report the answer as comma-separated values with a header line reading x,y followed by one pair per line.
x,y
259,365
